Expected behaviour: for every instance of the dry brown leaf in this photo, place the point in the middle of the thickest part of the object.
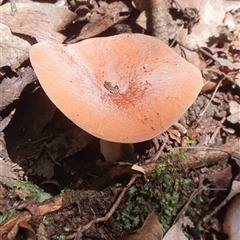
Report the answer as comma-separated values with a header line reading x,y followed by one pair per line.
x,y
175,232
238,79
140,5
151,230
221,179
4,122
234,112
229,21
142,20
38,20
211,16
9,94
211,12
231,5
232,219
14,50
192,57
235,190
108,15
42,232
8,173
13,233
28,228
49,205
10,224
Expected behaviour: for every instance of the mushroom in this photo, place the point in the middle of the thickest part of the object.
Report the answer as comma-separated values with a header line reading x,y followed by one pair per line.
x,y
126,88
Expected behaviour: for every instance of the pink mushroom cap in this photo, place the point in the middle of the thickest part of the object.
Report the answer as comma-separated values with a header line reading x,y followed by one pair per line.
x,y
126,88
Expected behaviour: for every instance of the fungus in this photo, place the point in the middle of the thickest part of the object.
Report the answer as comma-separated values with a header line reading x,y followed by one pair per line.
x,y
126,88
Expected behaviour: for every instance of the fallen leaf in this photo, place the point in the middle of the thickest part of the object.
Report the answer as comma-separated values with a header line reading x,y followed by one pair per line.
x,y
42,232
232,219
142,20
50,205
8,173
28,228
175,232
11,88
140,5
221,179
39,20
234,109
235,189
4,122
8,225
14,50
211,16
151,230
108,15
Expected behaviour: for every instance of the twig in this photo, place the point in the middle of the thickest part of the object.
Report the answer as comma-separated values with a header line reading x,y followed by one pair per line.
x,y
212,139
201,50
193,195
180,128
213,95
4,122
234,190
178,33
203,148
158,19
161,149
110,212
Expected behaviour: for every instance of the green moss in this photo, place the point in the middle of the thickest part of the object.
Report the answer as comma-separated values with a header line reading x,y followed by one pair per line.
x,y
165,193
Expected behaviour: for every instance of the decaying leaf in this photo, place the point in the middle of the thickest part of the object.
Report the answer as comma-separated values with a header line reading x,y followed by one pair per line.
x,y
4,122
42,232
235,112
102,18
151,230
39,20
8,226
7,175
9,172
211,15
49,205
9,94
142,20
175,232
232,219
235,190
221,179
28,228
14,50
140,5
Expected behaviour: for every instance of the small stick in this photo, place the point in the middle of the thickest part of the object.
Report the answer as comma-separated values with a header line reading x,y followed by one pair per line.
x,y
203,148
213,95
234,191
158,19
193,195
110,212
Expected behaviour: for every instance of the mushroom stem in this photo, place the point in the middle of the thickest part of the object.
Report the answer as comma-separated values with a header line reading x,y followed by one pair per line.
x,y
110,150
